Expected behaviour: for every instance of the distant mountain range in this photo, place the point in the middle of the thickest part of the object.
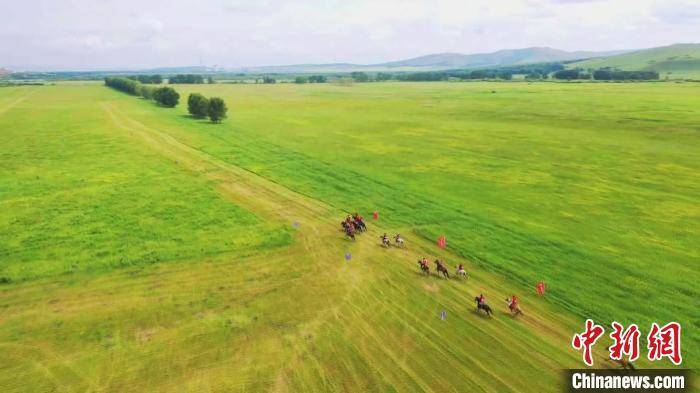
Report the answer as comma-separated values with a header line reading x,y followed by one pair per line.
x,y
444,61
678,60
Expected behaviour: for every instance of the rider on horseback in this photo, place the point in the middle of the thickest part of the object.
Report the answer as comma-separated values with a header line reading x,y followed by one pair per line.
x,y
482,299
385,240
512,303
360,221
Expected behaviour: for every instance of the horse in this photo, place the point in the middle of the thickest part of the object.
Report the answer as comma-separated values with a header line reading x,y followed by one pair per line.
x,y
399,240
483,306
385,241
359,223
461,272
424,267
514,307
350,232
441,269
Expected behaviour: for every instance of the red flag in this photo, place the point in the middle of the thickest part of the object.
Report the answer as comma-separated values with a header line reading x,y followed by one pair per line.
x,y
540,288
441,241
375,215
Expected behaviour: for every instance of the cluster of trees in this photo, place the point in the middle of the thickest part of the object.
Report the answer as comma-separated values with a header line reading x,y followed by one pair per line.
x,y
166,96
571,74
459,74
310,79
200,107
147,79
606,74
186,78
359,77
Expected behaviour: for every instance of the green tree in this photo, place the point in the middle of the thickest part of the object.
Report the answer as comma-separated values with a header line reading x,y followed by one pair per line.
x,y
146,92
166,96
301,79
217,109
198,105
359,76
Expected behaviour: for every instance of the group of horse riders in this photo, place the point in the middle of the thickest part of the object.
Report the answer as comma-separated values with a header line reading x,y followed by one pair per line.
x,y
512,301
441,267
386,243
353,223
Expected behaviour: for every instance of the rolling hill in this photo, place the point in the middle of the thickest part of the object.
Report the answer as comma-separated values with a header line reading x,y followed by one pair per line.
x,y
506,57
678,60
443,61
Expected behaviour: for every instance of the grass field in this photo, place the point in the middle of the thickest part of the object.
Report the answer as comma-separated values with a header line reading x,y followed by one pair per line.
x,y
592,188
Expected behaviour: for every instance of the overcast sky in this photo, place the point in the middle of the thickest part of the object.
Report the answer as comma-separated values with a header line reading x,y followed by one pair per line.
x,y
132,34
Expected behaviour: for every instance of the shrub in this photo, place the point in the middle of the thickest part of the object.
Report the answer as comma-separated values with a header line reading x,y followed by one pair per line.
x,y
166,96
198,105
217,109
146,92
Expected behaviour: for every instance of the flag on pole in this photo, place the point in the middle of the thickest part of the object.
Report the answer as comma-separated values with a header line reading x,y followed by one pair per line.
x,y
375,215
441,242
540,288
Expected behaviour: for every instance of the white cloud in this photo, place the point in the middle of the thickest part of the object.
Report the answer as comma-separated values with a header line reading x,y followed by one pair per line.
x,y
85,34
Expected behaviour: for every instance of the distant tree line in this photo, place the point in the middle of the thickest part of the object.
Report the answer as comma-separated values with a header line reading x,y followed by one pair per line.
x,y
310,79
606,74
429,76
200,107
165,96
186,79
147,79
266,80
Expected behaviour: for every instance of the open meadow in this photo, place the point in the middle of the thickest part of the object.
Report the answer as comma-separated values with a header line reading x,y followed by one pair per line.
x,y
141,249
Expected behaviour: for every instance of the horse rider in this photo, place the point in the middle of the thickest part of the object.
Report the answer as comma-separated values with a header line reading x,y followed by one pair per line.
x,y
513,303
482,299
460,269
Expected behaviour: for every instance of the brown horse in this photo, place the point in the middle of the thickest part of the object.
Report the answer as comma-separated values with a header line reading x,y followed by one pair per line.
x,y
483,306
424,267
441,269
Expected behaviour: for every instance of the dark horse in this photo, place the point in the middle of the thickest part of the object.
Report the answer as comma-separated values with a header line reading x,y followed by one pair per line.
x,y
483,306
424,267
350,232
441,269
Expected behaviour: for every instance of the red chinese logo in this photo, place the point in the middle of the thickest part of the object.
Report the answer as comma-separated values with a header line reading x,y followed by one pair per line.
x,y
665,342
625,342
586,340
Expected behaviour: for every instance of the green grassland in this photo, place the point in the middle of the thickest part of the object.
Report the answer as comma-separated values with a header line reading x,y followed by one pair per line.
x,y
77,196
674,61
592,188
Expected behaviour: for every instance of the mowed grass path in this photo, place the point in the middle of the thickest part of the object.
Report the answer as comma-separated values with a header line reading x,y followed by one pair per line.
x,y
300,317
